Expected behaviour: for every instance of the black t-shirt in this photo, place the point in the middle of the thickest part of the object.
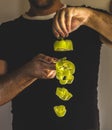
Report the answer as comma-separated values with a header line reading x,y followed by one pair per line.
x,y
32,109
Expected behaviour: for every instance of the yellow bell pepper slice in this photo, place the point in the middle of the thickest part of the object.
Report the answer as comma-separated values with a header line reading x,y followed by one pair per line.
x,y
60,110
64,71
63,45
63,93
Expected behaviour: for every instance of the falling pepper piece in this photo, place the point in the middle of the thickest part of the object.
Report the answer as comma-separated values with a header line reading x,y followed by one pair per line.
x,y
63,93
63,45
64,71
60,110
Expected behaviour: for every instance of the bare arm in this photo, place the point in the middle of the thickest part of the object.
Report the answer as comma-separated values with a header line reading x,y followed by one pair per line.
x,y
69,19
102,23
12,84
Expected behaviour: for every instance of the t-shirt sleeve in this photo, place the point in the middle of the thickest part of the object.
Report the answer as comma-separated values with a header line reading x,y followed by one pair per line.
x,y
2,44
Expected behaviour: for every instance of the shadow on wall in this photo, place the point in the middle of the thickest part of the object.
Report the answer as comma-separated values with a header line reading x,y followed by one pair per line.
x,y
102,4
12,11
110,6
23,6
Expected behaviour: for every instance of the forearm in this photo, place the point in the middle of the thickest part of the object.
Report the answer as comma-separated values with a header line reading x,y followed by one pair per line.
x,y
40,67
12,85
101,22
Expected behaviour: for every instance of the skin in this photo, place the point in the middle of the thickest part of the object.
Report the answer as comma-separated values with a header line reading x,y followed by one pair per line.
x,y
70,19
43,7
41,66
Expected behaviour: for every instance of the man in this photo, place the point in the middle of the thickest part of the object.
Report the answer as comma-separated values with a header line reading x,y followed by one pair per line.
x,y
33,107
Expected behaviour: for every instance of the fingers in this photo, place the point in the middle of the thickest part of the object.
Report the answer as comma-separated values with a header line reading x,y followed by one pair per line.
x,y
47,67
65,21
47,74
59,25
68,20
51,73
46,59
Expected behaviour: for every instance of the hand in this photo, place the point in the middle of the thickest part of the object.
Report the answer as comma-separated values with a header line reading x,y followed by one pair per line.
x,y
41,66
69,19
